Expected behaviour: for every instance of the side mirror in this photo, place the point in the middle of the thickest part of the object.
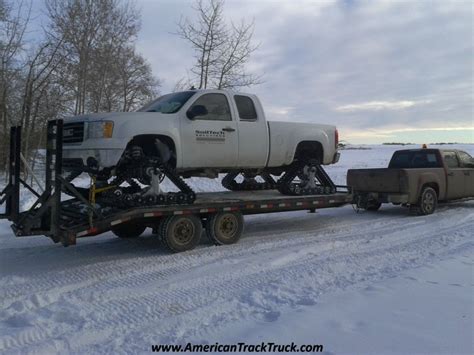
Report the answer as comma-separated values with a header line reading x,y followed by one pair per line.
x,y
196,110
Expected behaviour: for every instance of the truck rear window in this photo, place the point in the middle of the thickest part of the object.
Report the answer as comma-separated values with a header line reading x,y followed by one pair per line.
x,y
415,159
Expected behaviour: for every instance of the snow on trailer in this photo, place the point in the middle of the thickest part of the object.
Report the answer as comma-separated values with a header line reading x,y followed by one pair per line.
x,y
179,226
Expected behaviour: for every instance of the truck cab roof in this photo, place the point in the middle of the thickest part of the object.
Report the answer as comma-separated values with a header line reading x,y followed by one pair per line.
x,y
427,149
428,158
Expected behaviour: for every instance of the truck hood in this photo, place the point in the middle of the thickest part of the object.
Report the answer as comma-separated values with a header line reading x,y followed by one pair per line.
x,y
129,124
120,117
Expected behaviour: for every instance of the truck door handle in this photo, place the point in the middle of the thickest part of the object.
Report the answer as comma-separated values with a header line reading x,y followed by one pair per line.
x,y
451,174
228,129
467,173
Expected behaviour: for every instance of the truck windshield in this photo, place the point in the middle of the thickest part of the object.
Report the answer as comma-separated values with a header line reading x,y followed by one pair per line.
x,y
170,103
415,159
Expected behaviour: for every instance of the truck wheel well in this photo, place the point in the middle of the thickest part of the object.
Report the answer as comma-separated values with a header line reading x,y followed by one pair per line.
x,y
147,143
433,185
309,150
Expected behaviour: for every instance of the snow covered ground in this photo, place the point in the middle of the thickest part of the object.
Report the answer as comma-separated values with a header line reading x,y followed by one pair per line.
x,y
383,282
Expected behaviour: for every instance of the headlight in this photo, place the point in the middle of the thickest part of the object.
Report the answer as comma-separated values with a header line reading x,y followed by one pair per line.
x,y
102,129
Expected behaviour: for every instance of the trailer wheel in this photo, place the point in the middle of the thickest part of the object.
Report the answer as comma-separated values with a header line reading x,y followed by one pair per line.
x,y
180,233
225,227
128,230
428,202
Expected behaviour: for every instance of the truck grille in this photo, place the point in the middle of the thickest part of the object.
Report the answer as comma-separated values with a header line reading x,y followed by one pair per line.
x,y
73,132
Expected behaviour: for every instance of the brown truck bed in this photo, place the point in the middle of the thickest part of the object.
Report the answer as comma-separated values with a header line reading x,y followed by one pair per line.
x,y
378,180
396,185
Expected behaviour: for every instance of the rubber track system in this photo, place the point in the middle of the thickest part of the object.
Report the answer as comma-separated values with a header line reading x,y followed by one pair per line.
x,y
121,197
287,186
248,184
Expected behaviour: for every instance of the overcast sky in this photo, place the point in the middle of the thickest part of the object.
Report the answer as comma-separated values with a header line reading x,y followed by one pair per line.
x,y
380,70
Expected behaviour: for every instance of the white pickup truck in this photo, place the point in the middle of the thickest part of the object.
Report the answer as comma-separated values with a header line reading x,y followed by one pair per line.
x,y
195,133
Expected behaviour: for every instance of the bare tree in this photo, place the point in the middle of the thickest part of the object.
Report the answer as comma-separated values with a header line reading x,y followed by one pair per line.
x,y
39,69
85,61
136,80
13,24
183,84
222,51
207,36
122,82
229,70
88,27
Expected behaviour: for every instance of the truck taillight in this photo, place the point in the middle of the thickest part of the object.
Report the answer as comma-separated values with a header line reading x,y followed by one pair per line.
x,y
336,138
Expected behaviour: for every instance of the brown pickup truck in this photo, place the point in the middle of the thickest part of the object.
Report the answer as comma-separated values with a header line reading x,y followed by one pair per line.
x,y
417,178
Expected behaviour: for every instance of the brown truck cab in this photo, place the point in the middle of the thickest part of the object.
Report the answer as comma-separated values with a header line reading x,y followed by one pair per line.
x,y
417,178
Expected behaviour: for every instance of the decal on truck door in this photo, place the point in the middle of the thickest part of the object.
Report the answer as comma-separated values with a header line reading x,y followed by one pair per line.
x,y
210,136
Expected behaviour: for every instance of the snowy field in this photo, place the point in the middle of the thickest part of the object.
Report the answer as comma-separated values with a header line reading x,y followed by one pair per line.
x,y
383,282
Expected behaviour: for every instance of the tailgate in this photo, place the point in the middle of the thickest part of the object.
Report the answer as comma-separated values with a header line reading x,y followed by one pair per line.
x,y
377,180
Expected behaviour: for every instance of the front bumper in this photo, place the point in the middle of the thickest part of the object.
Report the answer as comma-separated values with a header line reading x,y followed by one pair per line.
x,y
106,151
106,158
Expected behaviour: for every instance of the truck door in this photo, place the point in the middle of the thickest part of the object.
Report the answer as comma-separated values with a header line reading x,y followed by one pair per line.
x,y
253,133
455,176
467,164
209,139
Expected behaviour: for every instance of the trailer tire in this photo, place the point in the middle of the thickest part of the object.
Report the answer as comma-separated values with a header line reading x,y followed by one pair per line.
x,y
180,233
428,202
225,228
128,230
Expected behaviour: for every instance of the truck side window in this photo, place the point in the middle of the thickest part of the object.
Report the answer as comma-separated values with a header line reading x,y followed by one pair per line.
x,y
451,159
217,107
424,159
246,108
466,159
414,160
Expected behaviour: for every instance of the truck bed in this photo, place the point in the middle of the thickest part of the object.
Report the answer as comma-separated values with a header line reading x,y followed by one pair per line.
x,y
382,180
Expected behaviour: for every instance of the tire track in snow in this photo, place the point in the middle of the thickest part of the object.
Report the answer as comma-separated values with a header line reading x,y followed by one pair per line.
x,y
142,309
84,276
184,295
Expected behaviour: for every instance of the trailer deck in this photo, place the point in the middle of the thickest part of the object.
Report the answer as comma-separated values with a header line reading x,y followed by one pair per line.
x,y
247,203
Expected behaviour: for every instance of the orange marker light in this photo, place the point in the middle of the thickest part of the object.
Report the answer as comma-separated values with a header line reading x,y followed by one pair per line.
x,y
108,129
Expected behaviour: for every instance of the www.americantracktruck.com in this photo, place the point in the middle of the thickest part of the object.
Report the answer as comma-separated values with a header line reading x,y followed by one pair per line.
x,y
238,347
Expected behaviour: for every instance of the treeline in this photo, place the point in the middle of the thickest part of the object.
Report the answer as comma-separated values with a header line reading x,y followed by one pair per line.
x,y
83,60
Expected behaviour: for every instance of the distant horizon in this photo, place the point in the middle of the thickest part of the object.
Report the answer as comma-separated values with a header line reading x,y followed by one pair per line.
x,y
402,144
422,136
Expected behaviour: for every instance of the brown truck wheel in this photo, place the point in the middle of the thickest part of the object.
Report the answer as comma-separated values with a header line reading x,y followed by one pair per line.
x,y
428,202
128,230
373,206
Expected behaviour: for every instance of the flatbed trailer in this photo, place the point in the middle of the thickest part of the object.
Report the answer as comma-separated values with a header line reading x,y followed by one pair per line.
x,y
178,226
